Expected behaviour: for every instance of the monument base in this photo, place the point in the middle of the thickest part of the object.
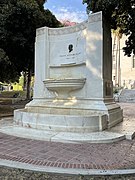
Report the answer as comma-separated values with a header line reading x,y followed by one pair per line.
x,y
69,115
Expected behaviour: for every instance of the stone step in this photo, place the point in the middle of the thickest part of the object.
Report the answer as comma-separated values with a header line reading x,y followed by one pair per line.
x,y
127,95
8,127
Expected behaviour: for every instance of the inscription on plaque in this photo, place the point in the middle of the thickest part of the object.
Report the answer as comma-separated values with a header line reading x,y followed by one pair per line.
x,y
70,56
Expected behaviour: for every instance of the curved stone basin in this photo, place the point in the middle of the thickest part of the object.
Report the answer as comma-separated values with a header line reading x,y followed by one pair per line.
x,y
62,87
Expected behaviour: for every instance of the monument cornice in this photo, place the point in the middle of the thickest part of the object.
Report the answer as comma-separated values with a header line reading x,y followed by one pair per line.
x,y
67,30
70,29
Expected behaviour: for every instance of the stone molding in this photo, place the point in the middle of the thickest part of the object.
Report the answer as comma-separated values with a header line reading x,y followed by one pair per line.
x,y
41,31
71,29
67,30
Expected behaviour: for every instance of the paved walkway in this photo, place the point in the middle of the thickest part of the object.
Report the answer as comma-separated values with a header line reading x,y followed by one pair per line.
x,y
118,155
86,156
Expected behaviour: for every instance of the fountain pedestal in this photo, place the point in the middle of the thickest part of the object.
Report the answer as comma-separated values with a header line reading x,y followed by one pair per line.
x,y
73,89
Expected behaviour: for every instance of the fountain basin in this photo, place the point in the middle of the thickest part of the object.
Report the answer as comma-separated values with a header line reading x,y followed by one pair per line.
x,y
62,87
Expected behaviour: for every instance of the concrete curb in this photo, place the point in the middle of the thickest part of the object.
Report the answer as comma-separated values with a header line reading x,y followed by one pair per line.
x,y
90,172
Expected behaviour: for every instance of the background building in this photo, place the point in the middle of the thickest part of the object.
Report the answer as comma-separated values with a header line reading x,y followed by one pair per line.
x,y
123,67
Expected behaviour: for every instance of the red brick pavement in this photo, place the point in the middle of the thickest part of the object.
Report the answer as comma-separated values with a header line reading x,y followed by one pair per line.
x,y
117,155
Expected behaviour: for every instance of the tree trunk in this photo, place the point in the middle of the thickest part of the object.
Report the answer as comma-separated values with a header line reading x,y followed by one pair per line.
x,y
114,57
119,70
28,93
24,81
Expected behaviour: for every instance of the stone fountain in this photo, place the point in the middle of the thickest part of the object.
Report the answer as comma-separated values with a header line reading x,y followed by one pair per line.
x,y
73,80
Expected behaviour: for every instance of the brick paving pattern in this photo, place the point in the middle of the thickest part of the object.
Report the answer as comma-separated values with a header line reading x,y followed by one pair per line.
x,y
117,155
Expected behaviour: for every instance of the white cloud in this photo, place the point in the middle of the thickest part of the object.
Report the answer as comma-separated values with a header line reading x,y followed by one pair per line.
x,y
53,7
69,14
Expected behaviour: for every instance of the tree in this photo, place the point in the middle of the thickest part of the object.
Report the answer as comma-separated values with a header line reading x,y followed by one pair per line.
x,y
19,20
116,54
121,15
6,73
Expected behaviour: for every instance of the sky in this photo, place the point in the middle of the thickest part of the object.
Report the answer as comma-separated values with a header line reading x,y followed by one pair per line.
x,y
72,10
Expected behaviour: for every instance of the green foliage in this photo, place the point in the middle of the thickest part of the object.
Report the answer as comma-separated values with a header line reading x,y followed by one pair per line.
x,y
3,56
130,30
18,22
121,15
6,68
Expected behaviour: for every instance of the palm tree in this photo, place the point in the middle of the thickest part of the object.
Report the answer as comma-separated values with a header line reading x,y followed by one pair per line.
x,y
116,52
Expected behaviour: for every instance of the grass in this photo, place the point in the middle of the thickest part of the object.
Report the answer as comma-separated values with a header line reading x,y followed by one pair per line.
x,y
9,94
6,104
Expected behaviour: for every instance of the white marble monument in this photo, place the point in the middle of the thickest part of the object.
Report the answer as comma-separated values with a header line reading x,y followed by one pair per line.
x,y
73,80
